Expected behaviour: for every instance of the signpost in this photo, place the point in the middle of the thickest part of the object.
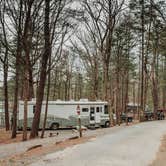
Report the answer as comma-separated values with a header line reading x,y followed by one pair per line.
x,y
79,120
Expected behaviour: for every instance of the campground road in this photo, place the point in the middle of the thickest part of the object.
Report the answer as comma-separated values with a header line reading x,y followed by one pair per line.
x,y
135,145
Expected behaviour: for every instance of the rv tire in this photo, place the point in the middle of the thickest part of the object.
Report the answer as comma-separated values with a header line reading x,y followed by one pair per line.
x,y
54,126
107,124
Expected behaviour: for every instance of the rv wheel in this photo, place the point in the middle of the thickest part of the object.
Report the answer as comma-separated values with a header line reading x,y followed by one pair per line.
x,y
54,126
107,124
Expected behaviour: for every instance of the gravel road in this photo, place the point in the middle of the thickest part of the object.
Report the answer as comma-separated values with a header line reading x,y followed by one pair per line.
x,y
134,145
7,150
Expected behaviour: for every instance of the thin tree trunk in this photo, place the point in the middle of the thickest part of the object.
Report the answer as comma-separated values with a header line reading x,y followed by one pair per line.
x,y
5,67
54,87
31,89
7,125
154,75
139,91
126,94
105,81
142,56
96,84
164,86
26,90
48,93
18,56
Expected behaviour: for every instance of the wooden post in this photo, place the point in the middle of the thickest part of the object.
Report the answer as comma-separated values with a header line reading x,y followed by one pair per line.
x,y
80,130
79,121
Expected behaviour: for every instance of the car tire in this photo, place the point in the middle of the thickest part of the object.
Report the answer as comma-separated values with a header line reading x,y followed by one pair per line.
x,y
107,124
54,126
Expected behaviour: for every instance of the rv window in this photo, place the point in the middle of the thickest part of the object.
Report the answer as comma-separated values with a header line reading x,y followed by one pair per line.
x,y
97,109
34,107
85,109
106,109
92,110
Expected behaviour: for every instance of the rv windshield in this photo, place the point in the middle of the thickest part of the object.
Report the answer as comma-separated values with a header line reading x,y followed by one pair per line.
x,y
106,109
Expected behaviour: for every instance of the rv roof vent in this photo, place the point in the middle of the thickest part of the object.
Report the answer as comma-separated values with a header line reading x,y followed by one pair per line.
x,y
98,100
58,100
33,99
84,100
72,100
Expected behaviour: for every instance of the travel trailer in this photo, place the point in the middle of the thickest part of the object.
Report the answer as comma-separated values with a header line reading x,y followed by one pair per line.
x,y
2,114
63,114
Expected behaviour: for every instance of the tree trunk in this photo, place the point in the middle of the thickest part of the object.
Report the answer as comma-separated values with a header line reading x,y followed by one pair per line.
x,y
18,56
26,90
96,82
7,125
154,93
105,81
48,93
164,85
142,56
118,91
126,91
5,67
44,61
28,69
31,89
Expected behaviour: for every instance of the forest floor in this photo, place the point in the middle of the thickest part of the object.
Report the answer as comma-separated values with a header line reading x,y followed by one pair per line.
x,y
5,137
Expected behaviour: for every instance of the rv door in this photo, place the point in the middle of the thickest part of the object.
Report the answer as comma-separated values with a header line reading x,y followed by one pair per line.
x,y
92,115
97,115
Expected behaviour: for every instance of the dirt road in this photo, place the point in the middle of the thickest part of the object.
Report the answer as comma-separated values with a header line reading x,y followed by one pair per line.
x,y
7,150
11,149
134,145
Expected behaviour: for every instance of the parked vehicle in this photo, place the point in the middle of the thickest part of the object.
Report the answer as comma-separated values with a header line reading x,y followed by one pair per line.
x,y
123,117
63,114
158,115
127,117
149,116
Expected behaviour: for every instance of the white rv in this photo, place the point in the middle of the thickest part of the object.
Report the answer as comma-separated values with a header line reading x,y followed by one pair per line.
x,y
63,114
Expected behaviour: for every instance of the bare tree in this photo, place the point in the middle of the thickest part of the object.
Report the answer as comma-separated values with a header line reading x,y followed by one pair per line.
x,y
4,61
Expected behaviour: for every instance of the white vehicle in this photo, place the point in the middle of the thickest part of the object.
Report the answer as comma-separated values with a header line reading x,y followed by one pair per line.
x,y
63,114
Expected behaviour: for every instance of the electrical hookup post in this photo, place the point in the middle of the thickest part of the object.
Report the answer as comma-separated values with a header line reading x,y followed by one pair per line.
x,y
79,120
